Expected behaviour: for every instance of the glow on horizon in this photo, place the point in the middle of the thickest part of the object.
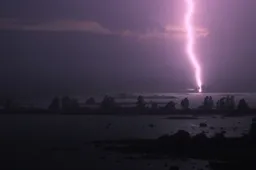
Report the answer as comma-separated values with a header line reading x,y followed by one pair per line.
x,y
190,42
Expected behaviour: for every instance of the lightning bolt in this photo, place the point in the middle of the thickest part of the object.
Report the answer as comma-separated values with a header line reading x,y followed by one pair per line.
x,y
190,42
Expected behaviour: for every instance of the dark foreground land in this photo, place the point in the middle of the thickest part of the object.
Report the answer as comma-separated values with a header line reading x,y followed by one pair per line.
x,y
66,142
220,151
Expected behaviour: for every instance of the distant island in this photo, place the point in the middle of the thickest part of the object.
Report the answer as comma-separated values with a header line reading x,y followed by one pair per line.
x,y
108,106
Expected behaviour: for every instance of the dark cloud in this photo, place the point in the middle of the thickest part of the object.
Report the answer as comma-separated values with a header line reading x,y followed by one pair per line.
x,y
166,32
61,25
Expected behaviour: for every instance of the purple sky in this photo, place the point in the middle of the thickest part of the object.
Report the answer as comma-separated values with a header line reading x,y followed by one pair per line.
x,y
94,45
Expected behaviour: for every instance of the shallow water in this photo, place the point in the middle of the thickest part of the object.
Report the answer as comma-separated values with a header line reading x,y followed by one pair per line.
x,y
35,136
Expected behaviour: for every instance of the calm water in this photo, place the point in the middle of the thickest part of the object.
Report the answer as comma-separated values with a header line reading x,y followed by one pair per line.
x,y
32,138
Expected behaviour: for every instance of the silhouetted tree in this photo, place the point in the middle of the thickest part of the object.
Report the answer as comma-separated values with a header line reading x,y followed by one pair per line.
x,y
66,103
170,106
69,104
105,102
242,105
210,103
108,102
8,104
232,103
55,105
74,104
218,104
140,102
90,101
222,103
154,105
185,103
182,103
206,101
227,102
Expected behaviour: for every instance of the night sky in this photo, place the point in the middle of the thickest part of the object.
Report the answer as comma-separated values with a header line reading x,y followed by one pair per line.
x,y
81,46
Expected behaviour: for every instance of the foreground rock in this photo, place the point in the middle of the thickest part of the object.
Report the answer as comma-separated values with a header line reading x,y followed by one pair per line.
x,y
203,125
232,152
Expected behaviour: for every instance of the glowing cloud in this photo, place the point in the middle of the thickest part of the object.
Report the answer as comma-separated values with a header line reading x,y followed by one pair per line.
x,y
190,42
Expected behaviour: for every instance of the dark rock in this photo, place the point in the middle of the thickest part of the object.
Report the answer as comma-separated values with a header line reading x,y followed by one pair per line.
x,y
151,125
203,125
108,126
235,128
130,158
54,149
174,168
181,145
96,145
64,149
103,157
223,132
212,128
244,134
